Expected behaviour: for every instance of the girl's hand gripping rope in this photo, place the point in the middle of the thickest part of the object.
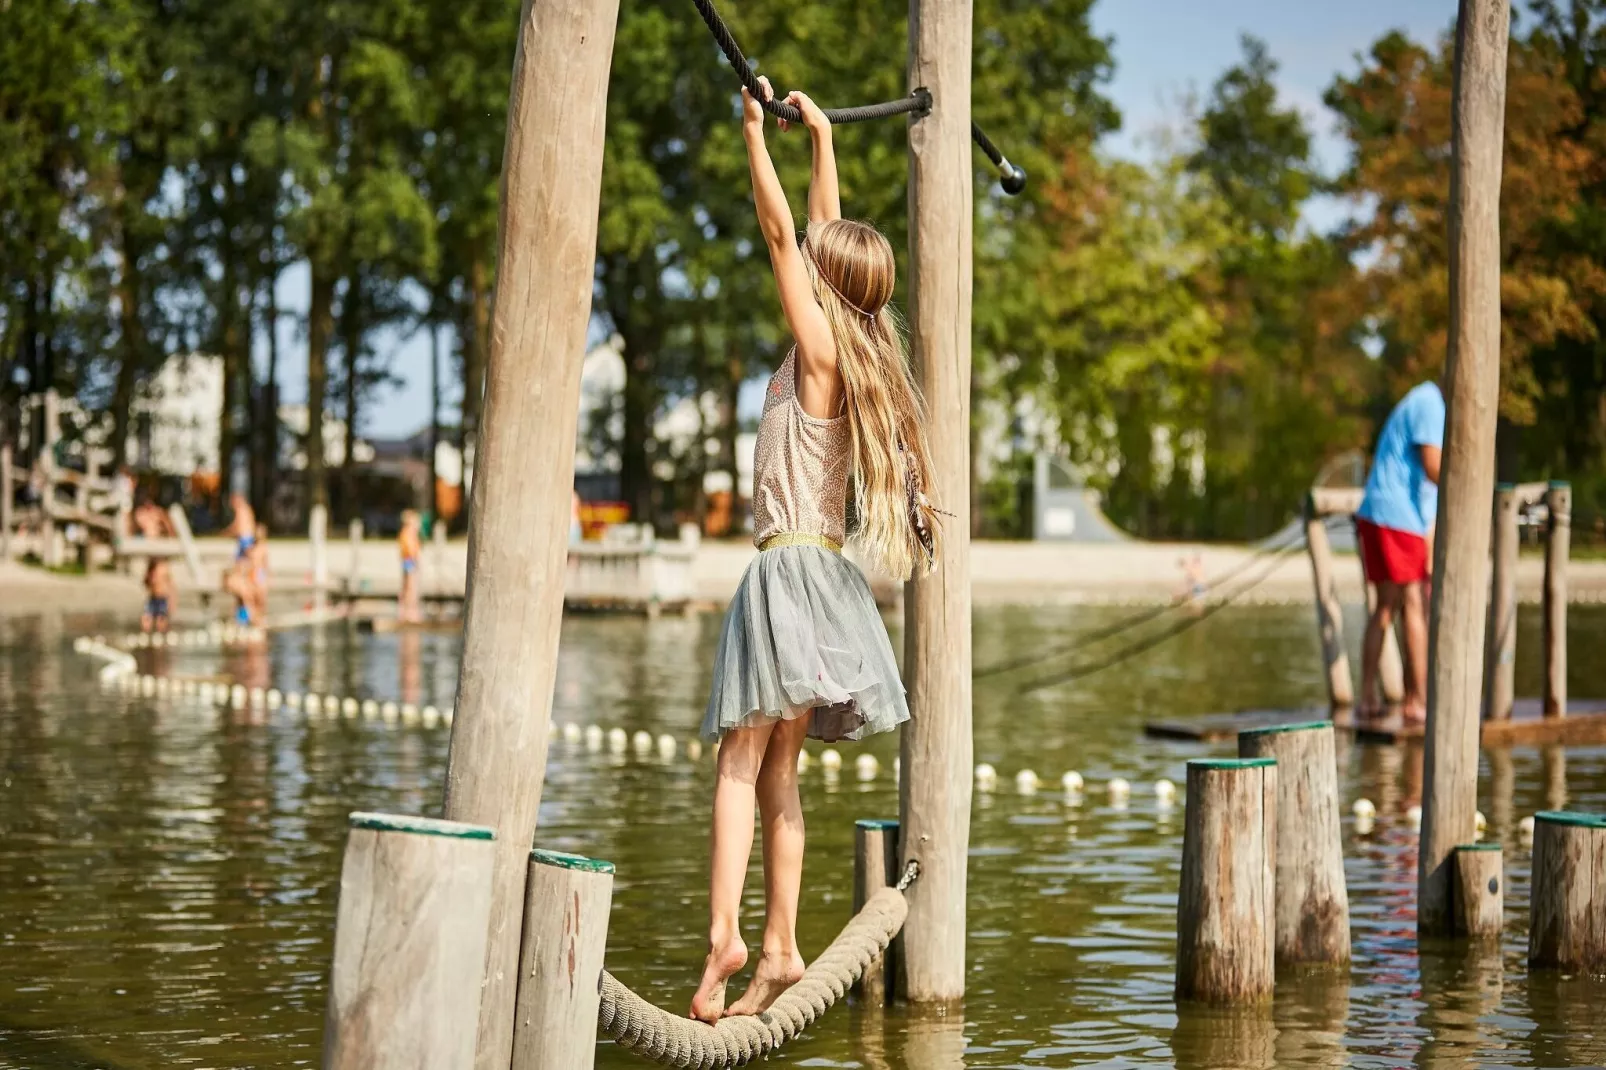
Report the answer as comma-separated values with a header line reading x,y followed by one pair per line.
x,y
753,111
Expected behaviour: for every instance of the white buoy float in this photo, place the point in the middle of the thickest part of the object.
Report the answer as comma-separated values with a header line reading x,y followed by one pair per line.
x,y
1363,808
431,716
803,760
694,749
1364,824
409,713
312,703
349,707
293,699
238,696
1413,817
447,714
897,768
666,746
618,740
257,696
1071,783
594,737
389,711
1165,792
865,767
986,777
641,742
1026,782
830,760
1525,830
1118,790
571,732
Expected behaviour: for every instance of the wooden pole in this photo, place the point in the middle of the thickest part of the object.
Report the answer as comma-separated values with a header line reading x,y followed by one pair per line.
x,y
1479,891
7,492
1500,659
875,866
1558,537
354,577
410,932
1329,611
524,459
566,906
318,537
1390,667
1466,477
1567,924
49,550
1226,917
937,749
1312,901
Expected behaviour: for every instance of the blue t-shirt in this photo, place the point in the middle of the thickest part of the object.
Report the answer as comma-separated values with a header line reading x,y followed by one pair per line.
x,y
1399,494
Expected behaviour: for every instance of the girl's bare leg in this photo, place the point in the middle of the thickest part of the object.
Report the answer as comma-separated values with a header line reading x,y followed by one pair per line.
x,y
780,964
741,756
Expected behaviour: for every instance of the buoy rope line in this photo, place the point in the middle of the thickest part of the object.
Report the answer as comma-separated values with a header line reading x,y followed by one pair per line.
x,y
1147,643
670,1040
1012,178
1109,631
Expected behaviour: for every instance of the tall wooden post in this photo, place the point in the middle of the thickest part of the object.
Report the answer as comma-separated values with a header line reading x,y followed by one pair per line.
x,y
1499,662
1329,611
409,944
937,748
1466,478
524,460
1558,537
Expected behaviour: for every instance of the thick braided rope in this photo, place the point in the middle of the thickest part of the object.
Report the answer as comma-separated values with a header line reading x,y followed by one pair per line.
x,y
670,1040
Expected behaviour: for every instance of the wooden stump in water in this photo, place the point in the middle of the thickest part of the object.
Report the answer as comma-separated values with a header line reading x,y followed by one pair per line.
x,y
1567,923
1226,917
1478,896
1312,901
566,905
1558,537
875,866
410,933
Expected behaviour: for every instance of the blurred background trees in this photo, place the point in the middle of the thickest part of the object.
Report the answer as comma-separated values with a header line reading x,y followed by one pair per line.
x,y
1177,328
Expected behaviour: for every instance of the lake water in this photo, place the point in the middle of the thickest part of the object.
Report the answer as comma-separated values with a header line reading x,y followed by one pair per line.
x,y
168,871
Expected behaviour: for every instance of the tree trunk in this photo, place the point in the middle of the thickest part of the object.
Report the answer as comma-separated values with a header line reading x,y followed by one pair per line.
x,y
635,466
134,346
320,325
351,331
229,346
270,402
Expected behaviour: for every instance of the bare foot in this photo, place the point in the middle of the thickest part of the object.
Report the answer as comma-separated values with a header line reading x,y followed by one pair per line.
x,y
775,974
1414,713
708,1005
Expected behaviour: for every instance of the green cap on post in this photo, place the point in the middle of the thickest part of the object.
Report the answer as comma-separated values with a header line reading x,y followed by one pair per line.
x,y
1273,729
1569,817
564,860
1479,846
424,826
876,823
1230,763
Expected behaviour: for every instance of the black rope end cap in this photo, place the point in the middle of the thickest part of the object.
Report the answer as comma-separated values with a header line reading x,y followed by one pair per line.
x,y
1012,178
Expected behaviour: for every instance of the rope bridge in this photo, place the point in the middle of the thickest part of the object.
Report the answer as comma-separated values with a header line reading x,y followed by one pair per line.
x,y
670,1040
1010,177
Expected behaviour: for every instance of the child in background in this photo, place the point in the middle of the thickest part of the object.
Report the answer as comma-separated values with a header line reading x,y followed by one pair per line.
x,y
411,546
257,560
160,599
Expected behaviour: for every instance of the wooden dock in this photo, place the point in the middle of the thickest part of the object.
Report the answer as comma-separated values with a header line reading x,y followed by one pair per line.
x,y
1585,724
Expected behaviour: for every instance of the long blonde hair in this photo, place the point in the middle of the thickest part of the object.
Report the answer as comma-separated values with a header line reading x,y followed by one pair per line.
x,y
853,270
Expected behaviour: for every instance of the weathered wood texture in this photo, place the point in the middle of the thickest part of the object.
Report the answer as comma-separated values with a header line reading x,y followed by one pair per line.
x,y
1479,895
1500,658
410,928
1226,913
566,906
937,748
1567,920
524,459
1329,611
875,866
1390,666
1466,477
1558,539
1312,900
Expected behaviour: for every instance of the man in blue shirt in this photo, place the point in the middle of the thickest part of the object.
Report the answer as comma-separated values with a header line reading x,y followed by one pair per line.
x,y
1394,525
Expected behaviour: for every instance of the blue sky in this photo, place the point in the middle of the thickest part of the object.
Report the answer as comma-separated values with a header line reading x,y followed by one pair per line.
x,y
1164,50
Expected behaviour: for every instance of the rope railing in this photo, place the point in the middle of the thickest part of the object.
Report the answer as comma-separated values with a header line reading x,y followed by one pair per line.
x,y
1010,177
670,1040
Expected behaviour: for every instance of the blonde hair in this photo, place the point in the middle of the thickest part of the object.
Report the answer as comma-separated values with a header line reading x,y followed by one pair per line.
x,y
853,270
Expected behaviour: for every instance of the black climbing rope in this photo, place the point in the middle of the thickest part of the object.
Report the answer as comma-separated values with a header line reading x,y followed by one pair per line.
x,y
1012,178
1132,650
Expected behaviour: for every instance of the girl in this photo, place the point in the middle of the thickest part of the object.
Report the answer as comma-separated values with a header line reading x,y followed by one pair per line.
x,y
411,546
803,651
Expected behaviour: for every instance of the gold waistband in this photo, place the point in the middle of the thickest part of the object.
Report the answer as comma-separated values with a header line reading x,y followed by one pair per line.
x,y
799,538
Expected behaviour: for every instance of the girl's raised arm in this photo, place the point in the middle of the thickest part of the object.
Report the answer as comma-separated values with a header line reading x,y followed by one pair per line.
x,y
803,314
825,202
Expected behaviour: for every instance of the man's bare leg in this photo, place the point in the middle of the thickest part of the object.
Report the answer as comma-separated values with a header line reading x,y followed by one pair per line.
x,y
1414,618
1377,630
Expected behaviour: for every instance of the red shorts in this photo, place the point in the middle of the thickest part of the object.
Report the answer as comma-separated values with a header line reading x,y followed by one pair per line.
x,y
1390,555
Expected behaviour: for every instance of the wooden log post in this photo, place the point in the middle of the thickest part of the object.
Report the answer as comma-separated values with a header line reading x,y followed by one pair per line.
x,y
415,896
1567,923
318,539
1226,913
354,577
875,866
1479,891
7,496
523,473
1466,478
566,906
1329,611
1500,658
1558,537
937,748
1312,908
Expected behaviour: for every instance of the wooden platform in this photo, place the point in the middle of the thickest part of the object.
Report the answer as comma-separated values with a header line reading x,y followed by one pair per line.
x,y
1585,724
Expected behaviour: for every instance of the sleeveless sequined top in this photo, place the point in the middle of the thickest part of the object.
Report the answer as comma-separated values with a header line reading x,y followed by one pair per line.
x,y
800,465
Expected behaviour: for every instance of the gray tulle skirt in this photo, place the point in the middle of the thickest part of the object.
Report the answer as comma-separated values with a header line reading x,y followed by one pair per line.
x,y
803,637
